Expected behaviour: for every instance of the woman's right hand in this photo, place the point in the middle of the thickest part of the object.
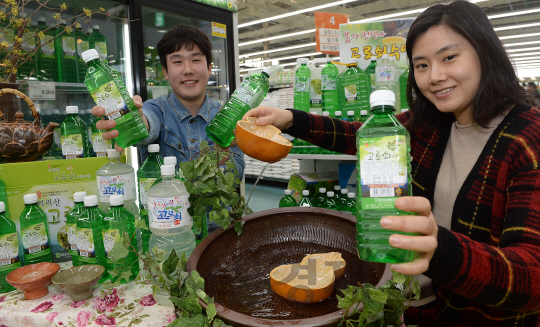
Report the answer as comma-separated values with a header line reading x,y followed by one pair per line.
x,y
266,115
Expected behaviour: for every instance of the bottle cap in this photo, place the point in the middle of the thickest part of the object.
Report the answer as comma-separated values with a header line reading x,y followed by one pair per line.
x,y
41,19
350,195
344,191
337,187
338,113
382,97
302,61
363,112
385,56
72,109
330,194
328,60
153,148
167,170
352,61
112,153
90,201
116,200
89,54
156,57
404,110
269,71
96,27
313,112
351,113
305,192
30,198
2,207
55,112
79,196
287,192
88,31
322,189
171,160
88,111
326,113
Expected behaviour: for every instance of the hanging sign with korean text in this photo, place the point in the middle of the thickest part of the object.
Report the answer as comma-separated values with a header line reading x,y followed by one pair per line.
x,y
327,31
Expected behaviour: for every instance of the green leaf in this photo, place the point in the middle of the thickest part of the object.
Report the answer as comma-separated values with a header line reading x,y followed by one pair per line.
x,y
113,272
352,295
119,251
239,227
183,263
204,145
211,311
159,253
398,277
230,179
202,187
188,169
194,282
378,295
176,301
140,223
174,323
191,304
190,187
373,307
198,321
416,289
170,264
125,275
230,165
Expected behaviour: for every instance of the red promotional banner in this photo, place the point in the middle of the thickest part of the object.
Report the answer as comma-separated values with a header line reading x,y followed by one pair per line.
x,y
327,31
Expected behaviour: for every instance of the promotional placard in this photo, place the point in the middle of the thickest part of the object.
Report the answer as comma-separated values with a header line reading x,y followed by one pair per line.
x,y
327,31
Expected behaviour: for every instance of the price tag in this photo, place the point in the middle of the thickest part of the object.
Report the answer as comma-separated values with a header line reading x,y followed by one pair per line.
x,y
41,90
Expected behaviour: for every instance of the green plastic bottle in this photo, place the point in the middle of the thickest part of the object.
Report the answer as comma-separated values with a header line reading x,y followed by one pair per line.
x,y
3,196
99,144
350,116
247,96
117,221
363,116
89,235
82,44
65,54
302,85
330,202
99,42
71,223
383,175
403,79
354,88
287,200
9,249
337,115
46,54
320,199
342,198
337,192
29,69
350,204
74,135
370,70
34,231
147,175
108,91
306,201
329,87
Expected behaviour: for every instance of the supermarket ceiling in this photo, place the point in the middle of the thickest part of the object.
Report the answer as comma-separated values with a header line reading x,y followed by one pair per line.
x,y
517,23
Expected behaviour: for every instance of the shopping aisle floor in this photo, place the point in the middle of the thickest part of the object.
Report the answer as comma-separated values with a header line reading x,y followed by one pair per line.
x,y
265,196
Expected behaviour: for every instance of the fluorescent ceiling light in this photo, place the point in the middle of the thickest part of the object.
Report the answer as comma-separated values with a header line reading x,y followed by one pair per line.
x,y
518,36
521,43
277,50
526,58
297,12
403,13
528,62
524,49
516,26
277,37
521,54
284,58
515,13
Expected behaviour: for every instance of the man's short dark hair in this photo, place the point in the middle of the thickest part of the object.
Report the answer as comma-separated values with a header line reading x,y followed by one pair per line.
x,y
532,84
183,36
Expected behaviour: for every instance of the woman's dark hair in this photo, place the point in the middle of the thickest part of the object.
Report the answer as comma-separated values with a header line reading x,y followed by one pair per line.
x,y
499,86
183,36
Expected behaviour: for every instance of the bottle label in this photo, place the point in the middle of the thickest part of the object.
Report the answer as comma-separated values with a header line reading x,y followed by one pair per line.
x,y
109,97
68,45
9,251
100,145
72,236
85,243
101,48
384,170
118,184
47,45
82,46
301,84
385,74
246,93
57,137
350,92
72,146
328,83
31,43
144,186
169,212
35,240
110,237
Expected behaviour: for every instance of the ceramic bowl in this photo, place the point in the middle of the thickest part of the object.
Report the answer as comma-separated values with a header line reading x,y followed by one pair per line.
x,y
79,281
33,279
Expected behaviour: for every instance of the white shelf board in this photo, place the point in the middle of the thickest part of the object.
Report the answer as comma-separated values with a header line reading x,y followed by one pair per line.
x,y
322,156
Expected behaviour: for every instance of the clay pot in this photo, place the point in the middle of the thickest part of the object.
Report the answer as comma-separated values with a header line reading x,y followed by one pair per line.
x,y
79,281
33,279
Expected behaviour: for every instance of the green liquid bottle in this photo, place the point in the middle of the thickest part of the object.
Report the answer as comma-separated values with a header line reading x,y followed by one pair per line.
x,y
305,202
403,80
329,87
320,199
88,119
350,116
350,204
384,174
29,69
246,96
287,200
370,70
99,42
331,202
99,144
147,175
354,88
89,237
117,221
337,192
71,222
302,85
34,232
74,135
3,196
108,91
82,44
363,116
9,249
342,199
65,53
46,54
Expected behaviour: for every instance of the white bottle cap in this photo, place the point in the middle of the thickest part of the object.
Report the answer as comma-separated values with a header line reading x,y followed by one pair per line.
x,y
112,153
322,189
328,60
352,61
171,160
96,27
72,109
363,112
88,31
153,148
2,207
404,110
268,71
351,113
385,56
90,201
313,112
330,194
89,54
41,19
287,192
382,97
338,113
337,187
305,192
167,170
55,112
350,195
79,196
30,198
88,111
344,191
302,61
326,113
116,200
156,57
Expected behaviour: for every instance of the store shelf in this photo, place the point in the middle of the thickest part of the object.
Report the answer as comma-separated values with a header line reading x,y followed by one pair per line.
x,y
273,179
322,156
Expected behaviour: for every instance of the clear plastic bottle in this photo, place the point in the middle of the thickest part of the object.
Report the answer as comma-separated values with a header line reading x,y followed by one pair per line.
x,y
350,204
247,96
89,237
403,80
354,88
71,222
108,91
320,199
329,87
387,78
147,175
97,41
10,258
305,202
82,45
384,141
114,178
34,231
302,85
117,221
46,59
350,116
170,222
168,161
74,135
287,200
65,54
370,70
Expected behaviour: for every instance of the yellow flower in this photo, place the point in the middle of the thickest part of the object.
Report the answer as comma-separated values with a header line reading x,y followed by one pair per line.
x,y
68,29
87,12
101,9
77,25
56,16
4,45
41,35
63,7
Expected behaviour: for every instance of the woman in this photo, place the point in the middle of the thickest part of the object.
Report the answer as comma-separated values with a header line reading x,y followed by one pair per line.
x,y
475,171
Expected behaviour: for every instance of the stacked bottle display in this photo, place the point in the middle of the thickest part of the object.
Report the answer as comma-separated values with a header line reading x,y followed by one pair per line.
x,y
339,199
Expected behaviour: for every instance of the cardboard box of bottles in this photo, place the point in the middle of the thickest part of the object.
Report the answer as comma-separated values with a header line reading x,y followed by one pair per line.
x,y
54,181
311,182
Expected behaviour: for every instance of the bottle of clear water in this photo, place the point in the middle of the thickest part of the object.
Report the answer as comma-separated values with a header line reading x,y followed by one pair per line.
x,y
302,85
9,249
169,161
115,178
89,236
246,96
386,77
170,222
330,202
34,231
74,135
306,201
71,223
370,70
329,87
382,139
350,204
287,200
320,199
117,221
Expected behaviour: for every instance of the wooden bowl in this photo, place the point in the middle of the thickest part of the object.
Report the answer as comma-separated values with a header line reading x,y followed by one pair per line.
x,y
33,279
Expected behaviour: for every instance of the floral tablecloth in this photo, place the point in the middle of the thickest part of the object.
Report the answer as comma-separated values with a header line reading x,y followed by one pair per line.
x,y
131,304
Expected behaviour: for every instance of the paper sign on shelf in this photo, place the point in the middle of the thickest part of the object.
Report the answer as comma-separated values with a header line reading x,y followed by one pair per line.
x,y
327,31
219,30
41,90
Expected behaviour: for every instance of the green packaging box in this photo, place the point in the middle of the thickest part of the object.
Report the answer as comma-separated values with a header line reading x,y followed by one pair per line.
x,y
54,181
311,182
